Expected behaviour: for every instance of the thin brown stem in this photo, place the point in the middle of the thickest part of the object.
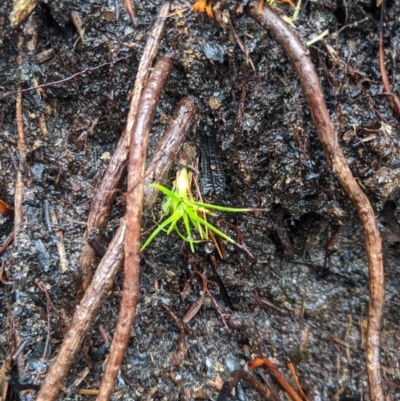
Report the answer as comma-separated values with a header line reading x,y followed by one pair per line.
x,y
237,375
181,341
393,100
7,242
47,343
300,58
61,81
134,198
283,383
84,316
165,155
95,294
106,193
21,145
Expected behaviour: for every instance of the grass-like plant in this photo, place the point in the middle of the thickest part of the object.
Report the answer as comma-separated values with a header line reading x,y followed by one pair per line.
x,y
180,210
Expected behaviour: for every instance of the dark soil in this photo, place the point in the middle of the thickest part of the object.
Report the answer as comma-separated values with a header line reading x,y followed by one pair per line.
x,y
270,157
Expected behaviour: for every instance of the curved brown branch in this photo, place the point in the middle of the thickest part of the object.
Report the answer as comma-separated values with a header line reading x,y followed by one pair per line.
x,y
237,375
137,158
105,194
84,316
109,265
299,57
21,145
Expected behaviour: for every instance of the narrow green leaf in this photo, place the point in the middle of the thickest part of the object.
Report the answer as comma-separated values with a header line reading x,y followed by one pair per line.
x,y
220,208
156,231
215,230
167,192
196,224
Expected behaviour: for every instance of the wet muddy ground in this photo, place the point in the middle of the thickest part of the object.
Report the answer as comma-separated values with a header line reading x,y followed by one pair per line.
x,y
256,123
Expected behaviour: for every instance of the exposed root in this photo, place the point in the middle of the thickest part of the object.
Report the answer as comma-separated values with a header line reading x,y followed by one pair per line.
x,y
83,317
299,56
393,100
234,377
108,267
134,198
106,193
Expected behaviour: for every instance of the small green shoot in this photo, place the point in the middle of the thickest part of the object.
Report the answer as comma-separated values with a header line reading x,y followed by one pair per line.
x,y
183,213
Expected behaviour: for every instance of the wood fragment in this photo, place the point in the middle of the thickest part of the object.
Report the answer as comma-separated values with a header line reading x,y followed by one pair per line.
x,y
77,21
134,199
300,58
106,193
21,10
60,243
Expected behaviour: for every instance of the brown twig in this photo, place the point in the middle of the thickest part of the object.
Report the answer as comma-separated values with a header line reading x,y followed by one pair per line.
x,y
237,375
60,243
21,145
270,386
292,369
393,100
134,198
165,154
266,363
131,11
46,346
105,194
181,341
300,58
7,242
84,316
195,307
93,299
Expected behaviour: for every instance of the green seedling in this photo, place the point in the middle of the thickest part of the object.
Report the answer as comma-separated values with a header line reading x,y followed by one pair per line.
x,y
180,210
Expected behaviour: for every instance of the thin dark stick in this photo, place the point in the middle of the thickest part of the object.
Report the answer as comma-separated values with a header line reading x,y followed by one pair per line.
x,y
46,347
165,155
134,199
393,100
53,83
84,316
300,58
181,341
106,193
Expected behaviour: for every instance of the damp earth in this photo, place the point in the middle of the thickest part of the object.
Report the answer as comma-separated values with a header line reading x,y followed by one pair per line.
x,y
303,297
